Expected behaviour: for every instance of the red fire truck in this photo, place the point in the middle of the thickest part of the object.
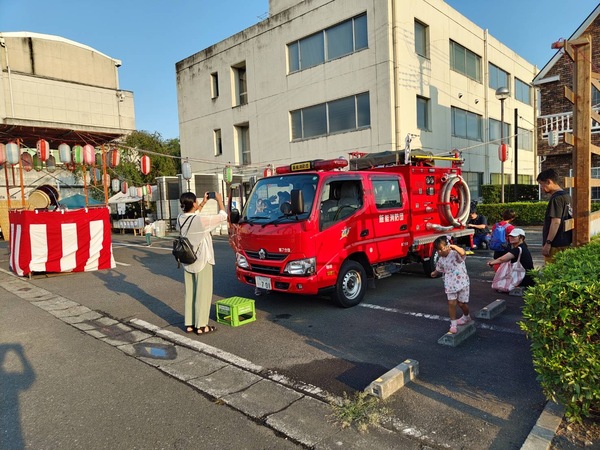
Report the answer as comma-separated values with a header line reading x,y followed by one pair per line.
x,y
312,227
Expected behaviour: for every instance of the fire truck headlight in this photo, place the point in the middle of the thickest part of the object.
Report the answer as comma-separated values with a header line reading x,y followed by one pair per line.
x,y
301,267
242,262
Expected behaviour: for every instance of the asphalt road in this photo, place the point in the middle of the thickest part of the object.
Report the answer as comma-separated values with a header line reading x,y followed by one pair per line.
x,y
482,394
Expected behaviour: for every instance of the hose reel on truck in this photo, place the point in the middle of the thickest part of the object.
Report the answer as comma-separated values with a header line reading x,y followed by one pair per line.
x,y
453,181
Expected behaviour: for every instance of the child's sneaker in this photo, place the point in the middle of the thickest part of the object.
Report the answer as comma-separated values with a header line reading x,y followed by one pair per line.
x,y
453,329
517,292
464,320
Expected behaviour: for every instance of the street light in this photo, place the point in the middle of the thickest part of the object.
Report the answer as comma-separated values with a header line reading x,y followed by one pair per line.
x,y
502,93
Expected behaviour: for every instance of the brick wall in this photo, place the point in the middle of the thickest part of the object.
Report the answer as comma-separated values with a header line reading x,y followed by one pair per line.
x,y
552,101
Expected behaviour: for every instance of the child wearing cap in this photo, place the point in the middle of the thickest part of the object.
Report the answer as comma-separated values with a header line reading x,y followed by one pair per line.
x,y
451,264
516,239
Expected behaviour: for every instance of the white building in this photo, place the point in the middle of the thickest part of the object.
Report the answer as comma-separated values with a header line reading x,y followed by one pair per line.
x,y
324,78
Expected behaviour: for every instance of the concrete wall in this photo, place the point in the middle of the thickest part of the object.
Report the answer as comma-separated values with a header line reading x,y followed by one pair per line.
x,y
59,83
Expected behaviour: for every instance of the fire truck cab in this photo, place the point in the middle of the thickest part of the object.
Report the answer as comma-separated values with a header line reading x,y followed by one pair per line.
x,y
314,228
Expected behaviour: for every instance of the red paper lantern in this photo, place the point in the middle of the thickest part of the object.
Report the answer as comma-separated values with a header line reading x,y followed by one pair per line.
x,y
114,158
503,152
149,189
124,187
89,154
145,164
140,192
43,149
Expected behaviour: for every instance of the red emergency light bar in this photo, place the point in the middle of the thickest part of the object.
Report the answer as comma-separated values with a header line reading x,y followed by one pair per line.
x,y
316,164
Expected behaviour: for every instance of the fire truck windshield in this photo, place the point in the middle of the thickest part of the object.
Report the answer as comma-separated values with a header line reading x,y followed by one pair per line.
x,y
271,199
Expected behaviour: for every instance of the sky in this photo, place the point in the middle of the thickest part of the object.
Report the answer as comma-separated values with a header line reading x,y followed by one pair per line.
x,y
151,36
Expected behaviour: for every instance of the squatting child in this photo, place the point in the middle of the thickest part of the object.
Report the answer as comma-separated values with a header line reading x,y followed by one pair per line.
x,y
451,264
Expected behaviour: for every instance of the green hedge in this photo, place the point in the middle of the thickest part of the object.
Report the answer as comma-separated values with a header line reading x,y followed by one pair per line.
x,y
525,193
561,318
528,213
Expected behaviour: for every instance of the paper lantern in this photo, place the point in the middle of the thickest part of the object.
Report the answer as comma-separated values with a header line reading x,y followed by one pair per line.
x,y
98,175
106,180
37,163
228,174
64,153
149,189
12,153
115,185
124,187
503,152
27,161
43,149
2,154
144,190
51,164
78,154
186,170
98,161
132,191
145,164
89,154
140,192
114,158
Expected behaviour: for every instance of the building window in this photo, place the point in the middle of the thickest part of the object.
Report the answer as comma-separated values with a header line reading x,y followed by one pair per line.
x,y
242,133
466,124
344,114
423,113
240,86
214,85
596,190
495,178
474,181
495,131
498,77
525,139
421,39
524,179
522,91
465,61
218,142
334,42
595,97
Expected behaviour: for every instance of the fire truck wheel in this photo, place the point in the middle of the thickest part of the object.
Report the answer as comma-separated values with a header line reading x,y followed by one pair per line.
x,y
351,284
429,265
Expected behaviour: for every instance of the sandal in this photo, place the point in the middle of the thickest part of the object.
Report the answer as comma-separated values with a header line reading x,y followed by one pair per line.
x,y
189,329
206,329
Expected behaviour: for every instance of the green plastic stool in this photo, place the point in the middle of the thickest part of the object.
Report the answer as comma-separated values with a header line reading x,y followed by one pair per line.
x,y
235,311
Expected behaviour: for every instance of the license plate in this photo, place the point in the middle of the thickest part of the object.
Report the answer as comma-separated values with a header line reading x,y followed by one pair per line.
x,y
263,283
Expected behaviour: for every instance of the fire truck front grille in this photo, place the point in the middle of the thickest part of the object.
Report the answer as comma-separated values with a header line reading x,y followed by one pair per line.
x,y
265,269
268,256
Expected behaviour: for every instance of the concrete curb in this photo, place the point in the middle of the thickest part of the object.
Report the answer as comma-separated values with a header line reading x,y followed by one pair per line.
x,y
541,435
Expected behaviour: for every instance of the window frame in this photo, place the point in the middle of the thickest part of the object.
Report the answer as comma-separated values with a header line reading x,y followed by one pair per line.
x,y
426,113
466,56
214,85
422,31
359,36
468,117
520,85
218,142
499,70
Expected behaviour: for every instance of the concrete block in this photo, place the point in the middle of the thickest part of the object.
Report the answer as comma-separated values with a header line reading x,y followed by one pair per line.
x,y
492,310
453,340
394,379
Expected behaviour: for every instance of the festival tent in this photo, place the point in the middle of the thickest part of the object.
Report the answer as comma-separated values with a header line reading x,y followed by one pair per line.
x,y
119,197
78,201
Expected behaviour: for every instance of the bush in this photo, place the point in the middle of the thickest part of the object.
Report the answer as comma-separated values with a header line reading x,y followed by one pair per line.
x,y
561,318
525,193
528,213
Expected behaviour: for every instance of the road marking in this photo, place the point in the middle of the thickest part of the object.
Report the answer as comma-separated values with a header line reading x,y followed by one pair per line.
x,y
479,324
122,264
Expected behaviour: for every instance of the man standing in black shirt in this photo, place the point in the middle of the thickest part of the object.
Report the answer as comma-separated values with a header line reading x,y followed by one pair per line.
x,y
554,236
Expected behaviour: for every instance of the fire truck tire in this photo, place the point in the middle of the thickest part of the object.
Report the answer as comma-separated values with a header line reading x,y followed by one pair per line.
x,y
429,265
464,201
351,284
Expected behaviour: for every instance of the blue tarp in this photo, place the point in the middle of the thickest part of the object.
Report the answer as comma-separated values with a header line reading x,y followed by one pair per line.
x,y
78,201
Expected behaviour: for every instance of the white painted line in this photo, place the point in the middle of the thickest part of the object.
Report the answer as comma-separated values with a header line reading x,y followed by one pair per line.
x,y
122,264
483,326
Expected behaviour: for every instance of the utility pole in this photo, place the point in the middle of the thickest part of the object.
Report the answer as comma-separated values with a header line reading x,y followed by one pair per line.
x,y
580,51
516,180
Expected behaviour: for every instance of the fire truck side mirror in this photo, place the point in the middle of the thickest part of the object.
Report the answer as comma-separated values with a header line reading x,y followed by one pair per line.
x,y
297,201
234,215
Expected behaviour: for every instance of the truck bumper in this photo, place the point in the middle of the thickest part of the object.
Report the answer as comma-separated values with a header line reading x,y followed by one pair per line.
x,y
293,285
